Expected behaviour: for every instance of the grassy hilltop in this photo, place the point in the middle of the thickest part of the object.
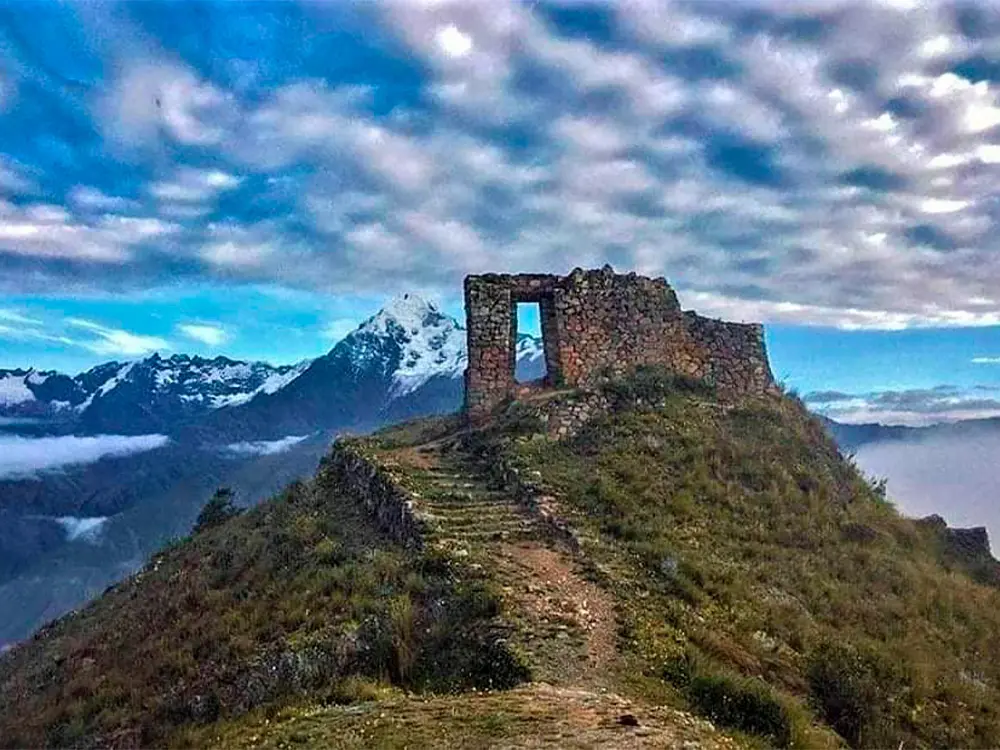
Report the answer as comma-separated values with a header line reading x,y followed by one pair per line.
x,y
733,582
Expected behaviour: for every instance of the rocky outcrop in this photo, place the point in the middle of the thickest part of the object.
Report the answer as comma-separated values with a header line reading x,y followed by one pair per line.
x,y
968,549
598,325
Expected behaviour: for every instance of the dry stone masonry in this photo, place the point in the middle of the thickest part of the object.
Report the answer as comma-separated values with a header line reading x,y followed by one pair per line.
x,y
597,325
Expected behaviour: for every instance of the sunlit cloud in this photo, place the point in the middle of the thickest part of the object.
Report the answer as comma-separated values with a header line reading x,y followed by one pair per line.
x,y
117,342
211,335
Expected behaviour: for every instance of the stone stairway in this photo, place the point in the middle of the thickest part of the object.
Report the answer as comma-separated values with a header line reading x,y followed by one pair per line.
x,y
562,624
460,508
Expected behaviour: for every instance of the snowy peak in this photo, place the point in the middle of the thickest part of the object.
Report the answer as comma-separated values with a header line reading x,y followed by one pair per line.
x,y
409,341
14,387
406,312
34,392
210,383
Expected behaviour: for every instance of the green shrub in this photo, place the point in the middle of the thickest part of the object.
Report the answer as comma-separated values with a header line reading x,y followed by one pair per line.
x,y
749,705
854,690
219,509
651,384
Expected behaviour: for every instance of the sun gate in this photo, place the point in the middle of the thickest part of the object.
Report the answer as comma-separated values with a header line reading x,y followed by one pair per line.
x,y
599,324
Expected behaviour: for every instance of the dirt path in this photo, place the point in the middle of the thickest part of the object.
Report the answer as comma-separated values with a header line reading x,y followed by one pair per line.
x,y
535,716
568,622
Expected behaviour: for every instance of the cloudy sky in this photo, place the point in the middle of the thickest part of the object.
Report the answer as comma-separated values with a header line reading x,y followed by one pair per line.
x,y
255,178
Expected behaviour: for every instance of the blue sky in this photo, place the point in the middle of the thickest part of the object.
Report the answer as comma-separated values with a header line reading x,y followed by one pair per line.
x,y
255,178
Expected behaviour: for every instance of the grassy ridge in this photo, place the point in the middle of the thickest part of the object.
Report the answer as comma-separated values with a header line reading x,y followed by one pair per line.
x,y
298,599
765,579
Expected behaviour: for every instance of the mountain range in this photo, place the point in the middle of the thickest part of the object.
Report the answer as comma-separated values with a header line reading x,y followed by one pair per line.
x,y
406,360
68,532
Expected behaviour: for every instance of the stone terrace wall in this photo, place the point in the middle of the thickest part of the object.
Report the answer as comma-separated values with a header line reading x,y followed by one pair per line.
x,y
599,324
368,482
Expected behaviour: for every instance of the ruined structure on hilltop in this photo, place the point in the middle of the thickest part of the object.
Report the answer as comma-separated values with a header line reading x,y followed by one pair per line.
x,y
599,324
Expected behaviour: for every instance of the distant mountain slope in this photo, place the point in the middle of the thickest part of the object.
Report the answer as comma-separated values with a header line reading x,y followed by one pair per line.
x,y
850,437
407,360
149,395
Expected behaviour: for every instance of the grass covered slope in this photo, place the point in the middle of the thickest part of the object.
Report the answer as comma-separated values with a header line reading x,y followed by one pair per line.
x,y
682,553
299,599
763,580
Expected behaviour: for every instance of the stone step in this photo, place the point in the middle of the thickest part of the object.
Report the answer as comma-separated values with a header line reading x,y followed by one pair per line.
x,y
455,484
465,518
466,501
478,523
443,475
472,536
453,513
497,498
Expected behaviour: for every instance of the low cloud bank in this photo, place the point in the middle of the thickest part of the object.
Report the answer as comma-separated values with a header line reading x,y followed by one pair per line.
x,y
952,476
83,529
265,447
25,456
917,407
17,421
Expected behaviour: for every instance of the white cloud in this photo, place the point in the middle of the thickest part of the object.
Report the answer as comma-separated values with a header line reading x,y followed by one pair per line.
x,y
453,42
212,335
83,529
117,342
12,316
265,447
835,317
189,185
942,205
48,231
335,330
846,177
22,456
985,360
86,197
150,100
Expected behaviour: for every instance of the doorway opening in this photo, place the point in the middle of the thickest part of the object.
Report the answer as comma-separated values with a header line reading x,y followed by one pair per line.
x,y
529,347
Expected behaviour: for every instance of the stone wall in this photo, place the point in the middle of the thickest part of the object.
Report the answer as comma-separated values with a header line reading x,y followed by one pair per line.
x,y
599,324
735,358
371,484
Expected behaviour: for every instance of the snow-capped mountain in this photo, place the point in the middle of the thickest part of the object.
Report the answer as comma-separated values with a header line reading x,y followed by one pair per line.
x,y
430,345
140,396
407,360
36,392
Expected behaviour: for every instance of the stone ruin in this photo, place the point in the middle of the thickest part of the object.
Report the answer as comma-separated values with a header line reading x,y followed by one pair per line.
x,y
598,325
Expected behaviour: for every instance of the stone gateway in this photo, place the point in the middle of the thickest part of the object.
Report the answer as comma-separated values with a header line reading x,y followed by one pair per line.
x,y
599,324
